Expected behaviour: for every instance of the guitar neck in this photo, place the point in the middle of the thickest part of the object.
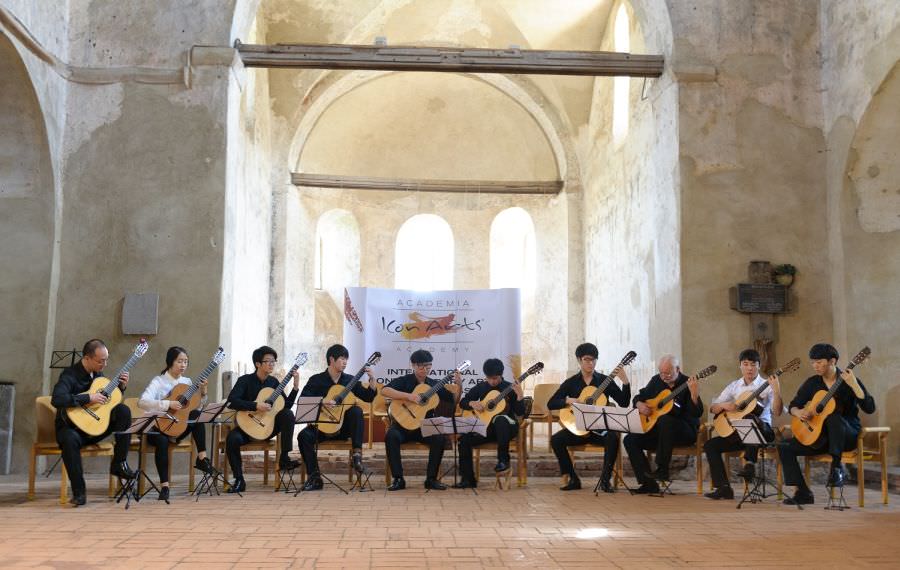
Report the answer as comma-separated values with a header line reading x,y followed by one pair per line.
x,y
281,386
605,384
114,381
349,387
195,385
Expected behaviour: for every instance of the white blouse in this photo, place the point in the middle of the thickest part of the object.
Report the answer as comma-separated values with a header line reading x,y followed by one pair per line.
x,y
154,397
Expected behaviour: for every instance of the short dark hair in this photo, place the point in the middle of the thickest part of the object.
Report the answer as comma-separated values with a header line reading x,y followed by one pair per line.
x,y
336,351
586,349
421,357
91,346
493,367
823,351
171,356
749,354
262,352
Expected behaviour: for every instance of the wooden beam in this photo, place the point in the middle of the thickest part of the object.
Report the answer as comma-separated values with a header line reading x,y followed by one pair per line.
x,y
427,185
450,60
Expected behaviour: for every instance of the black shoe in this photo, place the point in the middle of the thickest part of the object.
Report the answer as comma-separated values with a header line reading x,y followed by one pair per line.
x,y
434,484
465,484
501,466
836,477
122,471
398,484
573,485
606,486
747,472
239,486
314,483
163,494
78,498
288,464
659,475
203,465
358,464
725,492
804,497
649,488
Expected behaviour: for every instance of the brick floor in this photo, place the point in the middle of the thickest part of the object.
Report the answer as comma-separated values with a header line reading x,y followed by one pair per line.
x,y
537,526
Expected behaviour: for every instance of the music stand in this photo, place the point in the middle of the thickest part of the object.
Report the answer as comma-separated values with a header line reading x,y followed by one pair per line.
x,y
128,489
749,433
608,418
455,426
312,410
209,482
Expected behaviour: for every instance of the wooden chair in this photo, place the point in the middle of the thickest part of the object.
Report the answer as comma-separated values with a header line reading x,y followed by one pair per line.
x,y
220,460
540,413
45,444
875,451
619,469
695,451
764,454
519,448
142,446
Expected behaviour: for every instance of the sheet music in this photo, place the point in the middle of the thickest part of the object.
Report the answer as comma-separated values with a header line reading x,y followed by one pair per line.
x,y
308,409
209,412
608,418
442,425
748,431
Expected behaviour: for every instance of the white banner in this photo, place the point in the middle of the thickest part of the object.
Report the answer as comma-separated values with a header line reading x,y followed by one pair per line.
x,y
453,326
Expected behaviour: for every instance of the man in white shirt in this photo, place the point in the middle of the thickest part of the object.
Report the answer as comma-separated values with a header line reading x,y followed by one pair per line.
x,y
770,403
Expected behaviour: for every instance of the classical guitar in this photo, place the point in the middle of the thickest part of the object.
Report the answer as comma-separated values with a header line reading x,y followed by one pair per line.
x,y
333,418
189,398
822,405
494,402
747,403
664,401
593,396
93,419
410,414
261,425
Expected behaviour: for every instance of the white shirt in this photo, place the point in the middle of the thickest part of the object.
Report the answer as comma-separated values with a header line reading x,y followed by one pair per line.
x,y
153,398
734,389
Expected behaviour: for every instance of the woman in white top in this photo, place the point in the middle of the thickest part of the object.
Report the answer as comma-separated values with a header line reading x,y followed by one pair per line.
x,y
154,400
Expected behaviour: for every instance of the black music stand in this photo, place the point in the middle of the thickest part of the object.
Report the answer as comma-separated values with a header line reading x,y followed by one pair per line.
x,y
128,488
211,413
750,435
455,426
599,419
312,410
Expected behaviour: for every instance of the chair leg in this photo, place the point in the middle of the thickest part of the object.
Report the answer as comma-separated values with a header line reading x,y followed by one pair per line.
x,y
549,432
699,456
387,470
531,436
860,476
32,473
63,485
350,466
779,478
191,462
882,452
266,468
477,453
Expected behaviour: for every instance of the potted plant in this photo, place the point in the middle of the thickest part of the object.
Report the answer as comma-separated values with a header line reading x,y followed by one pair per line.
x,y
784,274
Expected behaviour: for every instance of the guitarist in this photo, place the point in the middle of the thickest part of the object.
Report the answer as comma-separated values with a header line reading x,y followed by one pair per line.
x,y
770,400
586,354
502,429
678,427
401,388
69,392
243,398
154,400
841,428
353,426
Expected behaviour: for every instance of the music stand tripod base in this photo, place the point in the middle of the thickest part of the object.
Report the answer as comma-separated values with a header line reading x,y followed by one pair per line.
x,y
836,502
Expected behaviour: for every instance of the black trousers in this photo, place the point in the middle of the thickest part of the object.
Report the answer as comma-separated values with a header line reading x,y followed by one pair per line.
x,y
352,429
501,431
668,432
716,446
284,425
161,444
71,440
563,439
838,436
396,436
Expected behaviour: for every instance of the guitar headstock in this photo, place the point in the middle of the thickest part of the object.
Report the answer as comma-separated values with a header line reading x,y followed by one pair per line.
x,y
373,360
708,371
141,348
465,364
628,359
860,357
218,357
300,360
789,367
533,369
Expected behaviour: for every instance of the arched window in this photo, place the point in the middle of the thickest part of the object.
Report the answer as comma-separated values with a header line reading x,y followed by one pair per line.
x,y
513,256
621,85
336,252
424,254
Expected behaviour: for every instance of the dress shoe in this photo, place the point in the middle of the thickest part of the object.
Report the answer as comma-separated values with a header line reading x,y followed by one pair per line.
x,y
314,483
747,472
163,494
203,465
434,484
801,497
122,471
606,486
239,486
465,484
649,488
573,485
501,467
78,498
724,492
288,464
836,476
398,484
357,463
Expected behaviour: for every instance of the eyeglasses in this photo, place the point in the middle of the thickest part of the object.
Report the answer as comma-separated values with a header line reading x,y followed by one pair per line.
x,y
270,362
422,366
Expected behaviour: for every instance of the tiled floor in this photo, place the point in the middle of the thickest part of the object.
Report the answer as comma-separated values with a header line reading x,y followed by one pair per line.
x,y
537,526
